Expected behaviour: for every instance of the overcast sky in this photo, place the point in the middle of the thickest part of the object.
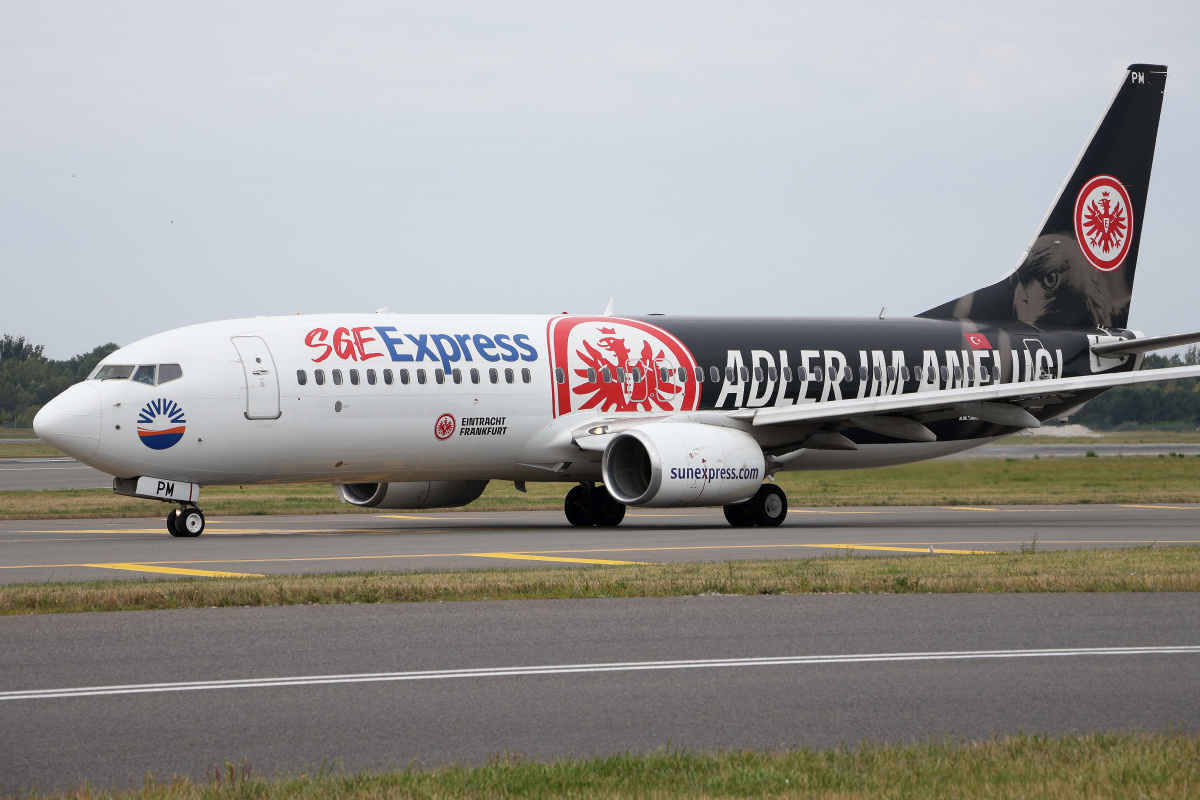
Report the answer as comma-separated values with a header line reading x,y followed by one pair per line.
x,y
165,163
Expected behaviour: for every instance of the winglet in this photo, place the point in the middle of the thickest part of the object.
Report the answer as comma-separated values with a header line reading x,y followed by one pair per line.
x,y
608,309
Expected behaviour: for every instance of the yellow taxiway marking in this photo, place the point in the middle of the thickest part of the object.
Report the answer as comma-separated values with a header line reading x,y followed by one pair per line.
x,y
528,557
174,570
822,511
970,508
1170,508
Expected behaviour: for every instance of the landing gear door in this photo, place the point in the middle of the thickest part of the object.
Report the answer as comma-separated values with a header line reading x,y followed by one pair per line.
x,y
262,383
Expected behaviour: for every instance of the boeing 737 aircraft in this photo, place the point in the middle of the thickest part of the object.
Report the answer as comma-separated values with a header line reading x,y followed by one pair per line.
x,y
421,411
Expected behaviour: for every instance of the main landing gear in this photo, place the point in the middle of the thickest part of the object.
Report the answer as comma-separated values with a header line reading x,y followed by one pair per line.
x,y
589,504
185,521
768,507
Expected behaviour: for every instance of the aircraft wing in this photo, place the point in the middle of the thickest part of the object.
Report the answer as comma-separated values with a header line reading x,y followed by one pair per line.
x,y
901,415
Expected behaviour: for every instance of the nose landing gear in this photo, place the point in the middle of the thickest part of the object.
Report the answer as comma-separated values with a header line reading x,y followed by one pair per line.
x,y
185,521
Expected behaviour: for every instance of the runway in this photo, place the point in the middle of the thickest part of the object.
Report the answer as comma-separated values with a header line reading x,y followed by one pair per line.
x,y
57,550
430,683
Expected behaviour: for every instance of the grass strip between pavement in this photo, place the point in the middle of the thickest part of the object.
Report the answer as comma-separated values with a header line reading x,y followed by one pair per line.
x,y
1099,766
1142,479
1141,569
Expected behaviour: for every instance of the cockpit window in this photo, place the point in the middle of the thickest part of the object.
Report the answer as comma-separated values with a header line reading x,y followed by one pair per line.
x,y
112,372
142,374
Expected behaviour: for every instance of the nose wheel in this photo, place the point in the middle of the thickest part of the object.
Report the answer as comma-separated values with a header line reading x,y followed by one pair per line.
x,y
185,521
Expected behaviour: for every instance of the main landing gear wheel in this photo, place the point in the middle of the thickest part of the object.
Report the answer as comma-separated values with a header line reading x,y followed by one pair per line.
x,y
187,522
587,505
767,508
738,515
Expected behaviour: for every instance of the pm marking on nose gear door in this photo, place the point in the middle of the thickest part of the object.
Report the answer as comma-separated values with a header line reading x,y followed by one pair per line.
x,y
1104,222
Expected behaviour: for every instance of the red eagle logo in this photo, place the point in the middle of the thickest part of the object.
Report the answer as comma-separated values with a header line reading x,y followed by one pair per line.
x,y
619,365
1104,222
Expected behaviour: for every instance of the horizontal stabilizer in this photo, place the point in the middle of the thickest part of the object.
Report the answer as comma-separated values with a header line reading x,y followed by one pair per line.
x,y
1128,347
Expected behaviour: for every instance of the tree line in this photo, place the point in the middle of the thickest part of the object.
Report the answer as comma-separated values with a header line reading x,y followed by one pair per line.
x,y
28,380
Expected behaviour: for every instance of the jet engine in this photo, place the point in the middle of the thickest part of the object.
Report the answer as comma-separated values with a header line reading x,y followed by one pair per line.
x,y
411,494
667,464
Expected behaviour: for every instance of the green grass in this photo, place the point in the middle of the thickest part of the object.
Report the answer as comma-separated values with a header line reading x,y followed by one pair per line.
x,y
1142,569
1143,479
1099,766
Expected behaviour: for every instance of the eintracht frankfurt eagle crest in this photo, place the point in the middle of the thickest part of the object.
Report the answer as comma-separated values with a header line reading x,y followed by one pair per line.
x,y
1104,222
614,365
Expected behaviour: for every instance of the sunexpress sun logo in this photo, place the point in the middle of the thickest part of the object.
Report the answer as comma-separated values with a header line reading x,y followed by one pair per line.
x,y
161,424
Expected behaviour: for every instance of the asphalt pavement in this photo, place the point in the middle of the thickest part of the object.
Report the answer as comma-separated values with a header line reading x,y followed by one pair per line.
x,y
44,550
368,686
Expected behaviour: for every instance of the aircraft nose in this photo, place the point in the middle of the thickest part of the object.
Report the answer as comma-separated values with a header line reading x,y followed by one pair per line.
x,y
71,422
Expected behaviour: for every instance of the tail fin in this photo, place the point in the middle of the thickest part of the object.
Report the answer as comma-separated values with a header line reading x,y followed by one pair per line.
x,y
1078,269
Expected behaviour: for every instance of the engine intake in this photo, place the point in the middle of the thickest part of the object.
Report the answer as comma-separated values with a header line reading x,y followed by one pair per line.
x,y
411,494
667,464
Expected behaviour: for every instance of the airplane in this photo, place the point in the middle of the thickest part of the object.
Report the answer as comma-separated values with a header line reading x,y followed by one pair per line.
x,y
406,411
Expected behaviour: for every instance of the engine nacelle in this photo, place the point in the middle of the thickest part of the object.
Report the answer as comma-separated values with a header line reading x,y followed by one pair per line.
x,y
411,494
682,464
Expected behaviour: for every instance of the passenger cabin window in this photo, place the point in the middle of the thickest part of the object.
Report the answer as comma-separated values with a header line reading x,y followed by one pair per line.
x,y
699,374
945,374
144,374
714,374
728,374
787,374
917,374
494,375
847,374
509,376
891,373
862,373
637,374
772,374
337,377
606,374
664,374
301,377
421,377
387,377
456,374
404,377
526,375
758,374
817,376
559,375
591,374
801,373
683,374
903,373
168,373
995,373
319,376
745,372
354,377
439,376
371,379
113,372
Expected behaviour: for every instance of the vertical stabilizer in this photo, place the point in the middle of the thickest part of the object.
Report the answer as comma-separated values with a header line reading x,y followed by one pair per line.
x,y
1079,267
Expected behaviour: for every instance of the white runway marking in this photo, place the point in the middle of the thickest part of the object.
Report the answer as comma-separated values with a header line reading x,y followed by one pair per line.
x,y
566,669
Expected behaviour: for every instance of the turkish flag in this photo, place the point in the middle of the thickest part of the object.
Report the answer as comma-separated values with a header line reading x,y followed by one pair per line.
x,y
978,341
